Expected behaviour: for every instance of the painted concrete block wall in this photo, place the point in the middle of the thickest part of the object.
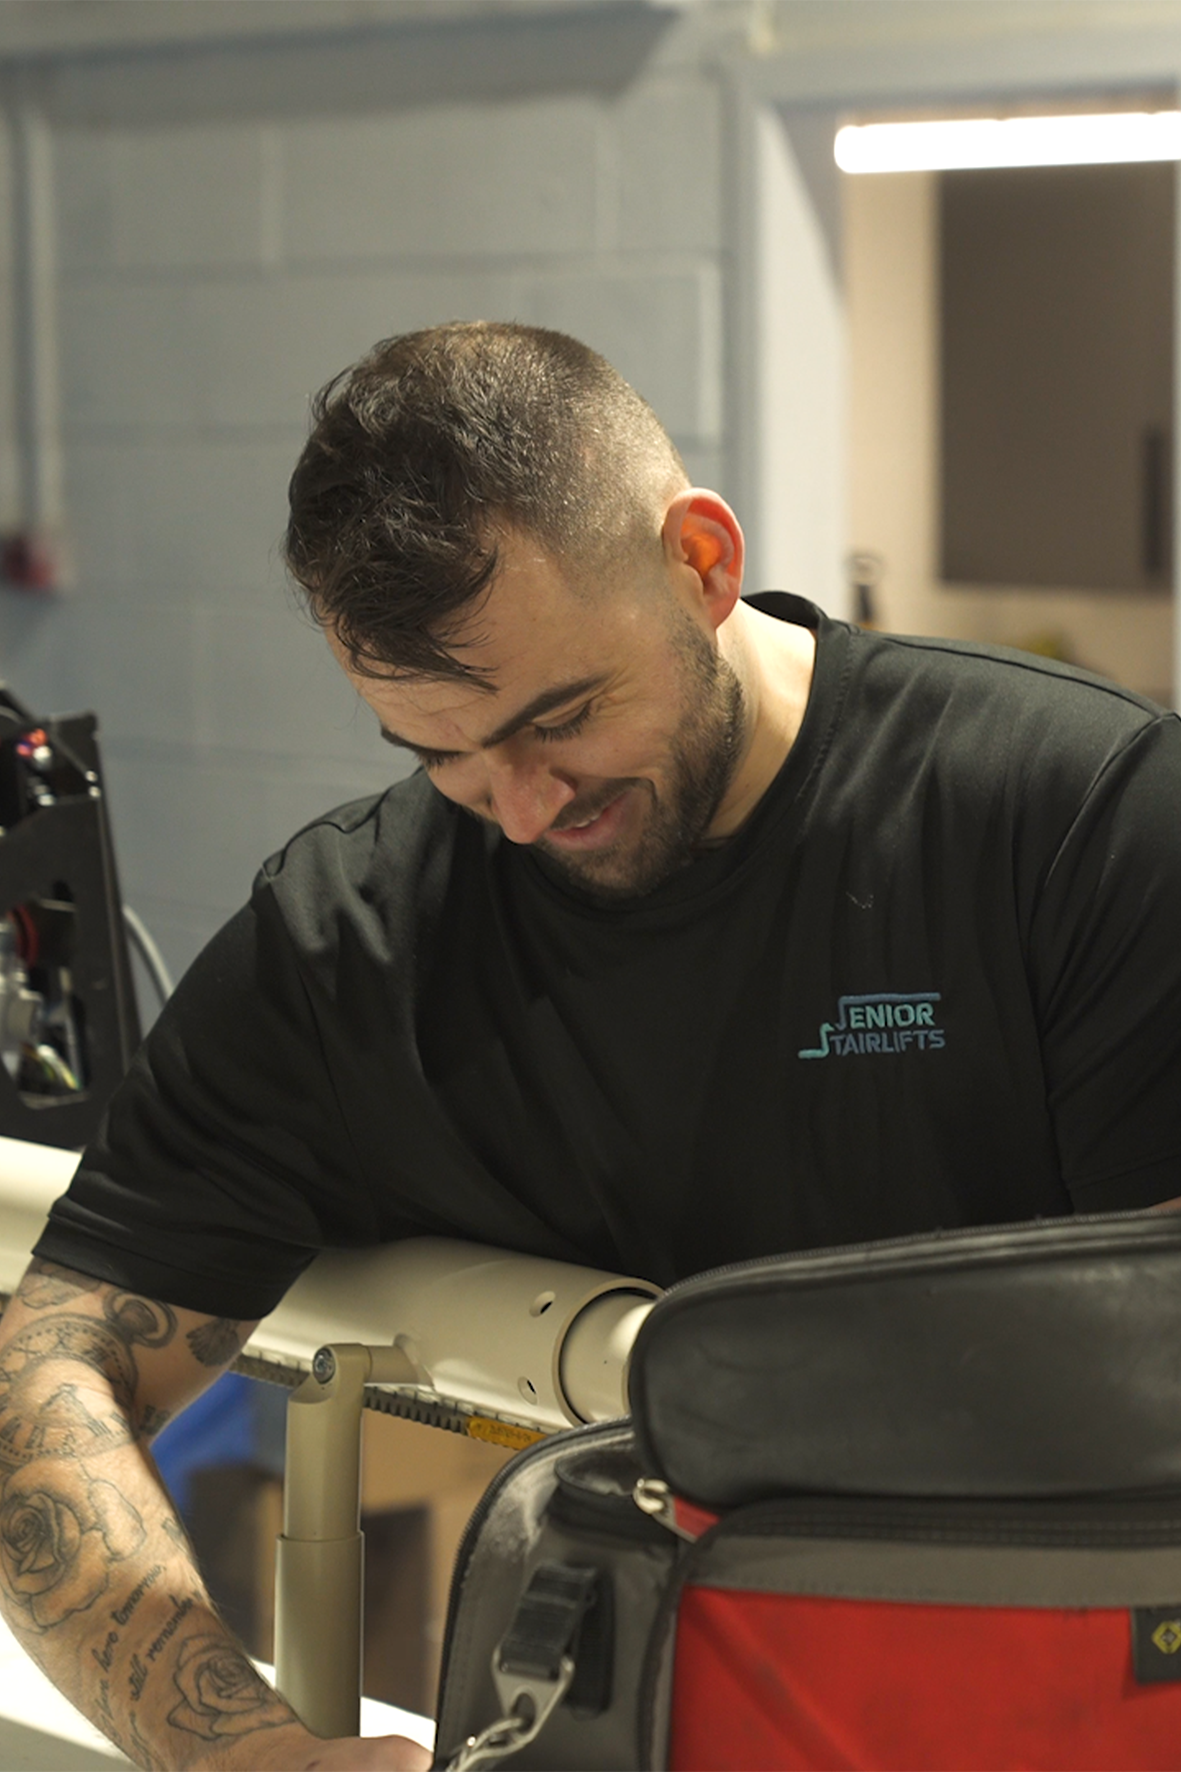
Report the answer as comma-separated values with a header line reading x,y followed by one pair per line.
x,y
214,272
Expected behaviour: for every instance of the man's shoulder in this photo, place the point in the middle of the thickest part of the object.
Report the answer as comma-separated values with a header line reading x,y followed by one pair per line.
x,y
989,731
380,855
407,811
888,685
1009,671
1010,701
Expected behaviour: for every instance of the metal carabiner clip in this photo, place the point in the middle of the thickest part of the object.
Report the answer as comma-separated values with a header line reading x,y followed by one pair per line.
x,y
528,1703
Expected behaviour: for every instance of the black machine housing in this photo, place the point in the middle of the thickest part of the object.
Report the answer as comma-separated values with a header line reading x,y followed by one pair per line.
x,y
68,1017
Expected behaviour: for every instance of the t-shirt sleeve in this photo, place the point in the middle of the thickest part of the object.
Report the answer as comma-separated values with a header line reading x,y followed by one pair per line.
x,y
223,1164
1106,967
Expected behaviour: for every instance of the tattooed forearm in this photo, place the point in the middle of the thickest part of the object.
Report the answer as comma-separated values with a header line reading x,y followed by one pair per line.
x,y
106,1720
178,1535
142,1753
62,1426
137,1674
180,1609
220,1693
105,1655
96,1573
45,1410
215,1343
46,1284
122,1613
61,1532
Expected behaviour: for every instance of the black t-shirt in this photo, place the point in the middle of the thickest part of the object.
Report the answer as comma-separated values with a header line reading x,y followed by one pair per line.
x,y
933,981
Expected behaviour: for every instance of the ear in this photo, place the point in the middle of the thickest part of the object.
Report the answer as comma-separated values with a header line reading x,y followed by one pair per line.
x,y
704,551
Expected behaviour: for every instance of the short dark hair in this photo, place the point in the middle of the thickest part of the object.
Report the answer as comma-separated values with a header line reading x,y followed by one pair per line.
x,y
434,444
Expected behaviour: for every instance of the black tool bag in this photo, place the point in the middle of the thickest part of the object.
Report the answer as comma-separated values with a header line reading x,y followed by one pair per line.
x,y
911,1504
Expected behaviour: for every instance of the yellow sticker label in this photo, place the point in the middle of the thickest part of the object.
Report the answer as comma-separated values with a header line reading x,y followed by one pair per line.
x,y
1167,1636
506,1433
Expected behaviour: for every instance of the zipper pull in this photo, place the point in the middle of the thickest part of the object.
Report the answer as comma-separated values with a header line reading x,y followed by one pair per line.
x,y
654,1497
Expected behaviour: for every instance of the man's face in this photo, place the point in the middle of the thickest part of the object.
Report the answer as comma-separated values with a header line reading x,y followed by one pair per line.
x,y
610,734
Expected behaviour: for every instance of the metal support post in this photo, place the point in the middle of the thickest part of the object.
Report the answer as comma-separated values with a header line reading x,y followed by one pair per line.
x,y
319,1571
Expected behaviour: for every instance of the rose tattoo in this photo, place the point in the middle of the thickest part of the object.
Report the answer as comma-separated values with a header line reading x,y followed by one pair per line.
x,y
220,1692
60,1531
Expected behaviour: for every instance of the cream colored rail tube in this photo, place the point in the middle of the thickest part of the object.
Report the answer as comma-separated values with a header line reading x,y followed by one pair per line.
x,y
560,1334
501,1333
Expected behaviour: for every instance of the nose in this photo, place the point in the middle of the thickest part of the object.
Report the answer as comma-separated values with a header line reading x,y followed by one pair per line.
x,y
526,795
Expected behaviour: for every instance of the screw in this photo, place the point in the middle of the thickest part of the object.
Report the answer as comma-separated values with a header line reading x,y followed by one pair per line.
x,y
324,1366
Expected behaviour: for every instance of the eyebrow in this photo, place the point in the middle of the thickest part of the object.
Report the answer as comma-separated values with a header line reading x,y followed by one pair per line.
x,y
545,703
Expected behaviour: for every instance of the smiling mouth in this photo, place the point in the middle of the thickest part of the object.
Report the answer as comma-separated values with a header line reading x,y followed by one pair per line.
x,y
588,818
598,825
583,822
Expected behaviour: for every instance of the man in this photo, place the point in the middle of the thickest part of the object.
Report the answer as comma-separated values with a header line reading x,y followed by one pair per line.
x,y
708,928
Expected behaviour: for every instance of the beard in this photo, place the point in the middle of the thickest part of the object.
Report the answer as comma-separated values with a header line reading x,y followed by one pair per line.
x,y
705,750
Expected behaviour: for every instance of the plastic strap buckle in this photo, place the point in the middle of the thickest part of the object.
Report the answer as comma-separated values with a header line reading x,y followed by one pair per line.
x,y
533,1665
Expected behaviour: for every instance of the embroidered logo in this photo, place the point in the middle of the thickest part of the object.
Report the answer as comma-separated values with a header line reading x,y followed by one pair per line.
x,y
887,1021
1156,1643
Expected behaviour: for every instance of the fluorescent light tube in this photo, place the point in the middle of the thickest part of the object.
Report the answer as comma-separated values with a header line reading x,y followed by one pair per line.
x,y
1071,140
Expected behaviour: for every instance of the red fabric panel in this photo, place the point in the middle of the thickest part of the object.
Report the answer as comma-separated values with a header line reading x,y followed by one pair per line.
x,y
780,1683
